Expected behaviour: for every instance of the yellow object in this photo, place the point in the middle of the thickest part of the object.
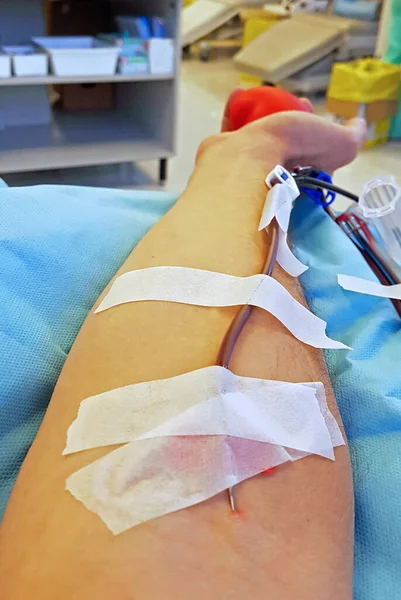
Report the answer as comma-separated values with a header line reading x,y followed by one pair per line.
x,y
254,27
188,2
378,133
364,80
368,88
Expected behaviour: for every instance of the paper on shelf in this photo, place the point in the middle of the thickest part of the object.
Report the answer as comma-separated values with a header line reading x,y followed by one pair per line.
x,y
161,56
206,288
372,288
234,428
279,201
209,401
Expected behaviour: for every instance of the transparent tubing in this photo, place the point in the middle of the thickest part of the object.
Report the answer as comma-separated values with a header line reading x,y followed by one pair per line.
x,y
380,202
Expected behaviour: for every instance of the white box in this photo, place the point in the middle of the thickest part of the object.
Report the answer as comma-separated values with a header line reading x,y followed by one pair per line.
x,y
79,56
161,56
131,65
27,61
5,65
133,53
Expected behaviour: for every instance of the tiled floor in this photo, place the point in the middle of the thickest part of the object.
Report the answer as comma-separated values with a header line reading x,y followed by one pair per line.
x,y
204,89
203,92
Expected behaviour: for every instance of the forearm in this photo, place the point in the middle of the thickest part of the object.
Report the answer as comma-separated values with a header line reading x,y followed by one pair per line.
x,y
293,534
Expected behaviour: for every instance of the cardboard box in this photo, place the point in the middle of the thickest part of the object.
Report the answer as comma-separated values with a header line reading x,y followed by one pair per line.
x,y
372,112
133,53
86,96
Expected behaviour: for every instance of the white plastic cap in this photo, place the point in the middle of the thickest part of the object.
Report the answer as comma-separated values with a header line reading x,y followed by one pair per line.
x,y
281,175
379,197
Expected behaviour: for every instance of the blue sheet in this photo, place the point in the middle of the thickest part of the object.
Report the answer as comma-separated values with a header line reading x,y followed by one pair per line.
x,y
59,246
367,384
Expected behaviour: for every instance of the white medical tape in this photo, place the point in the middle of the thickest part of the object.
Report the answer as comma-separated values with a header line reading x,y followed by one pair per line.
x,y
151,478
209,401
206,288
371,288
286,259
213,444
278,204
279,201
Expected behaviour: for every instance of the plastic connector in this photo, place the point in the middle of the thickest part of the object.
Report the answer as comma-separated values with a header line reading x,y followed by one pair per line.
x,y
379,197
380,202
281,175
319,196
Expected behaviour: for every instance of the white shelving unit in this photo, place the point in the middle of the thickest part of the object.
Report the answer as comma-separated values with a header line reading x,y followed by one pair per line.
x,y
141,126
52,79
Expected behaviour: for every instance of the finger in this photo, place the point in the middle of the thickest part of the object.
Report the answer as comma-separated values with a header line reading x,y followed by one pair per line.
x,y
349,140
307,105
310,139
360,131
226,124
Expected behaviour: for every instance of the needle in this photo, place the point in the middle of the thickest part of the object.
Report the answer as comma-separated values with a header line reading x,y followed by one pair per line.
x,y
231,499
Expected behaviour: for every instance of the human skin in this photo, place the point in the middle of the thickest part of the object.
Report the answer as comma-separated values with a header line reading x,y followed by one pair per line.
x,y
292,536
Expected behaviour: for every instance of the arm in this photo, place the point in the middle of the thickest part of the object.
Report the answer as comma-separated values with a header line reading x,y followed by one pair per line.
x,y
293,535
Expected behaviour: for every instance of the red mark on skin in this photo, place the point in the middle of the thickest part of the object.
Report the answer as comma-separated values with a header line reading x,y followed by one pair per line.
x,y
268,471
236,514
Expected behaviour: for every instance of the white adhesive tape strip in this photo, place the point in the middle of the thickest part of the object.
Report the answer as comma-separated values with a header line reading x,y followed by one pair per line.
x,y
287,259
371,288
148,479
199,452
206,288
209,401
278,204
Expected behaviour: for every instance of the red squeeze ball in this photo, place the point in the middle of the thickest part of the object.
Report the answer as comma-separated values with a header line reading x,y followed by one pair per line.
x,y
256,103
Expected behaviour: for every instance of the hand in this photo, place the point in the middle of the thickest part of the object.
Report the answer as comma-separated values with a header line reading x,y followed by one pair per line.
x,y
293,138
